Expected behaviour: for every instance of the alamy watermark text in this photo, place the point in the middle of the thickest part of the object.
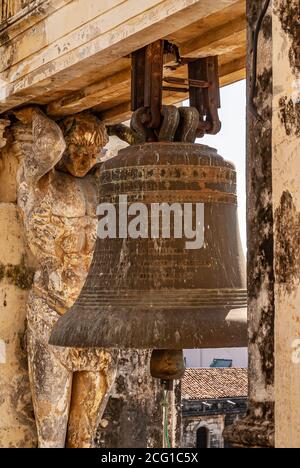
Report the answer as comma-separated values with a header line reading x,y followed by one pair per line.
x,y
159,220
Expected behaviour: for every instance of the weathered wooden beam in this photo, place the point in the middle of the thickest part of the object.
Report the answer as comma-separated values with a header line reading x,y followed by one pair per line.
x,y
117,114
81,37
226,39
90,96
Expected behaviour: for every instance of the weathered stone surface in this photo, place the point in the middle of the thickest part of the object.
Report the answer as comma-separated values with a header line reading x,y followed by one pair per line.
x,y
17,428
288,14
134,414
9,166
10,8
257,430
213,415
58,209
3,124
286,208
215,426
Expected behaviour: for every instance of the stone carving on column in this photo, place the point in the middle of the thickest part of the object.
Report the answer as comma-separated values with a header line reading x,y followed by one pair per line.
x,y
57,199
3,124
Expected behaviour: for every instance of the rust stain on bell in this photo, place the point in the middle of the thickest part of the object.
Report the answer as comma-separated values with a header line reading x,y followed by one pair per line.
x,y
155,293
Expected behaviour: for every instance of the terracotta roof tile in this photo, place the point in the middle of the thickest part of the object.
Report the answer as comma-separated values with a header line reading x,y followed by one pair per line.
x,y
205,384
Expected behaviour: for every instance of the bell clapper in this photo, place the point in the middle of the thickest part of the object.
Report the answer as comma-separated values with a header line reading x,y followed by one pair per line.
x,y
168,366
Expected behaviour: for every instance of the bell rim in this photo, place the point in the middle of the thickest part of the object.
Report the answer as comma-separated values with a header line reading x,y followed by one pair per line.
x,y
115,328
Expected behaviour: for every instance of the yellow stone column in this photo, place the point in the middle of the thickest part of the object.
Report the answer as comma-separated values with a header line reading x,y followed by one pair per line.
x,y
286,204
17,428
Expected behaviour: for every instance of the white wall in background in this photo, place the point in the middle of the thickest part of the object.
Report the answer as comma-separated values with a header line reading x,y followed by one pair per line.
x,y
204,357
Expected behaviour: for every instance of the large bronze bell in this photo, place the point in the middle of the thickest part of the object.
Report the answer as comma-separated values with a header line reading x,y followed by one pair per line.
x,y
156,293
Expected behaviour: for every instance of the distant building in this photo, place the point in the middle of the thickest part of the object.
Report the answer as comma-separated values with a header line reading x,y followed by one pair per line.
x,y
204,358
212,399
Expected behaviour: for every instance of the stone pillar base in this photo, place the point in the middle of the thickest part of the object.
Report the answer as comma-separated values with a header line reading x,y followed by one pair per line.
x,y
256,430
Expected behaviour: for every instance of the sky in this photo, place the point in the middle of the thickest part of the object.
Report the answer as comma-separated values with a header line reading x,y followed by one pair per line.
x,y
231,141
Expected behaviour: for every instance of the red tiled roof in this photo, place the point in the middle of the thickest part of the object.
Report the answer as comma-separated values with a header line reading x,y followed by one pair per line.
x,y
205,384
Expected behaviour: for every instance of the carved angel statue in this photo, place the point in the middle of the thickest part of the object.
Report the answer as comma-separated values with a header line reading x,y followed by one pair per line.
x,y
57,199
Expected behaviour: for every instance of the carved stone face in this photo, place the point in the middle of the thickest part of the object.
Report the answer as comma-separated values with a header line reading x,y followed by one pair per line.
x,y
79,160
85,136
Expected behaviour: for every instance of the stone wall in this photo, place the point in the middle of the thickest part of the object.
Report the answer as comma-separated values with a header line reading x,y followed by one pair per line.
x,y
214,415
273,231
17,428
257,429
134,415
286,208
214,424
10,8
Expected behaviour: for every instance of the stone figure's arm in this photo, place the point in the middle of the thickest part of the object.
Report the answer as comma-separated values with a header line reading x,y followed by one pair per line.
x,y
48,143
125,133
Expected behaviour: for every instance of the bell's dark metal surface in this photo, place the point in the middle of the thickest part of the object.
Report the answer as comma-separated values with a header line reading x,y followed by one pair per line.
x,y
155,293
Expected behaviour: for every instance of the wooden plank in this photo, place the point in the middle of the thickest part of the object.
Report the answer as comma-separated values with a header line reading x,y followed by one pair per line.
x,y
83,81
224,39
65,27
91,95
200,26
227,39
93,45
117,114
